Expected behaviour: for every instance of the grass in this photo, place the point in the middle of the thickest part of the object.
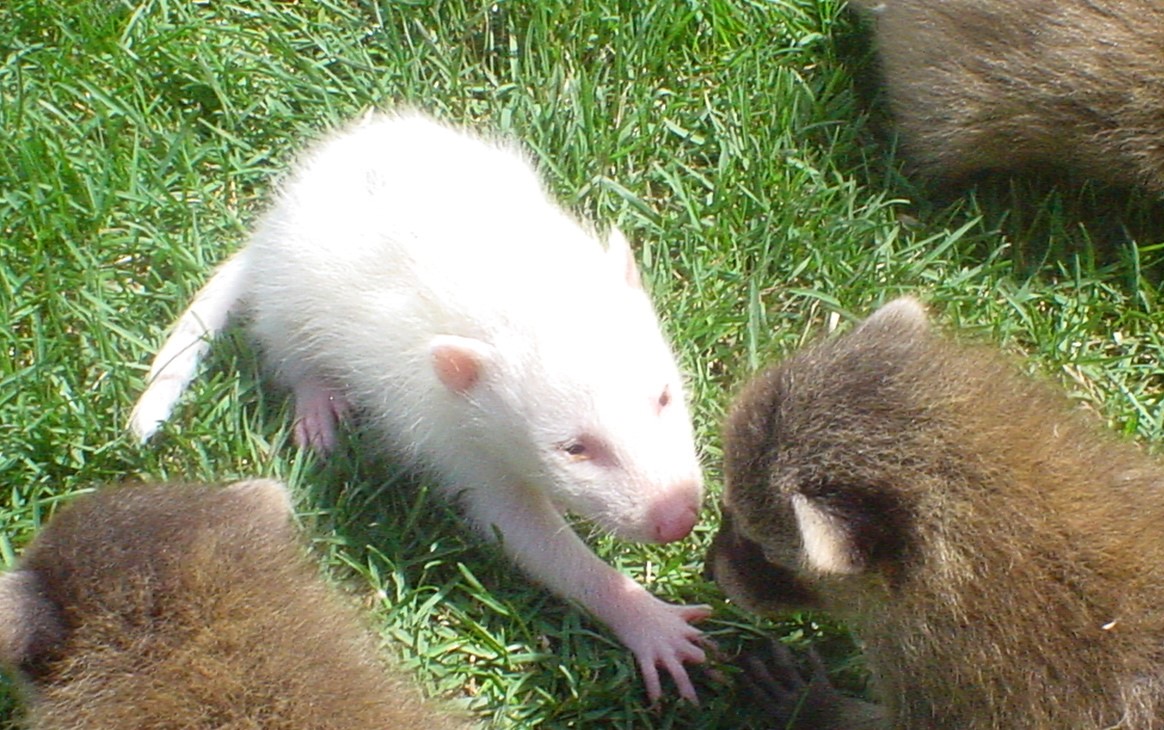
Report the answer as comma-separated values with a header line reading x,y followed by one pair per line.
x,y
732,141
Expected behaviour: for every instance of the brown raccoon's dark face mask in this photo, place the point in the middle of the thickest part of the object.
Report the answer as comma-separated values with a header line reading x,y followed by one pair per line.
x,y
739,566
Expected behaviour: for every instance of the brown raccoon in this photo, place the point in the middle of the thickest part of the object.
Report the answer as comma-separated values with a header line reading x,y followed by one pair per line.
x,y
978,85
191,607
1001,558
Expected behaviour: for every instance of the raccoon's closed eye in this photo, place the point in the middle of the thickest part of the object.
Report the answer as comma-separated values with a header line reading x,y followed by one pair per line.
x,y
665,397
585,447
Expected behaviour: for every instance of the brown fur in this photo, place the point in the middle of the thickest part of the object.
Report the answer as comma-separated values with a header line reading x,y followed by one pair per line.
x,y
977,85
191,607
1000,556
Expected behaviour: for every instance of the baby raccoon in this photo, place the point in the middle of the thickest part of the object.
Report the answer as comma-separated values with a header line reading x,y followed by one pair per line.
x,y
191,607
977,85
1001,558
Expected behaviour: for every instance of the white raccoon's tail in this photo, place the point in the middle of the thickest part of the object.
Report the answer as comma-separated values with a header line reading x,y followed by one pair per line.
x,y
174,365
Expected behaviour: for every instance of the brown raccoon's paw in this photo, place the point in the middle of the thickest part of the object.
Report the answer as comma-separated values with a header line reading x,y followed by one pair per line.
x,y
792,701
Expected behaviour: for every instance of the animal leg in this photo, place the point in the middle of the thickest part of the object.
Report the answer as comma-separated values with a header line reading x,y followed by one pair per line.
x,y
318,411
535,534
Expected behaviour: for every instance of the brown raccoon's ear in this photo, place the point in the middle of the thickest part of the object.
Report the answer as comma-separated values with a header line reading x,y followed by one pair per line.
x,y
29,623
849,532
828,545
904,315
266,499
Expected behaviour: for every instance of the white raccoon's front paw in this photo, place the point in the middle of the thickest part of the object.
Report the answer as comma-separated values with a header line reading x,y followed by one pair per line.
x,y
660,635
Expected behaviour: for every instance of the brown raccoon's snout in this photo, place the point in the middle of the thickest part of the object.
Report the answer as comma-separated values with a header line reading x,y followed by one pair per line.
x,y
739,567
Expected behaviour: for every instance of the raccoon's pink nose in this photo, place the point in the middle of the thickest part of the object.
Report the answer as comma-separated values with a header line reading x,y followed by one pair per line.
x,y
673,516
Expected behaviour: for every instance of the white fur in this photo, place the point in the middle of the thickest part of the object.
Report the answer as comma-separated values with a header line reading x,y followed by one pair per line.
x,y
422,275
174,366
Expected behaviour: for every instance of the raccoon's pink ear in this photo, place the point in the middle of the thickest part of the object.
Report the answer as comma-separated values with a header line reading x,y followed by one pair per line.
x,y
619,251
459,361
30,625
